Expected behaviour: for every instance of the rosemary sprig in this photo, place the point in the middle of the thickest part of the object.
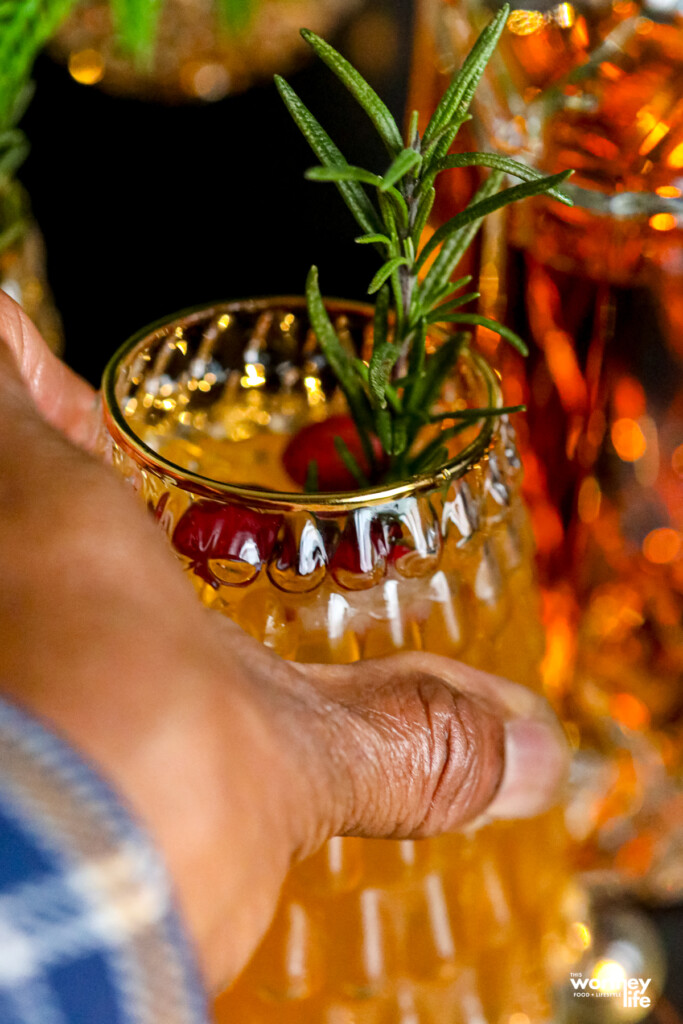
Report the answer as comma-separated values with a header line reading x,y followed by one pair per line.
x,y
394,394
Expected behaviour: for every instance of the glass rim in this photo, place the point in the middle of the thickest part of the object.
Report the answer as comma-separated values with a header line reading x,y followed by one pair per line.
x,y
325,501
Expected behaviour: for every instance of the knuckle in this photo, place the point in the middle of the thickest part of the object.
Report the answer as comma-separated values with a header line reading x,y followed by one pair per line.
x,y
409,756
462,758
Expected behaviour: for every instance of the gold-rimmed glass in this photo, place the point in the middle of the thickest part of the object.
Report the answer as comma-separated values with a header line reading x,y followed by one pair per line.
x,y
471,927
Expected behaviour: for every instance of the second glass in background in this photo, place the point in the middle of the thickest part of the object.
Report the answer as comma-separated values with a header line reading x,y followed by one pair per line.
x,y
598,291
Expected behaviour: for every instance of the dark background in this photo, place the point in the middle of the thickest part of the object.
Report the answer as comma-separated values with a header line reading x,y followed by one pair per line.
x,y
148,209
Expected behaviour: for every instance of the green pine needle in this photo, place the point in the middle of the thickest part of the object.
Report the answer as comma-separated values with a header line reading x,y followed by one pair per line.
x,y
311,482
324,148
350,462
471,415
386,271
365,95
372,239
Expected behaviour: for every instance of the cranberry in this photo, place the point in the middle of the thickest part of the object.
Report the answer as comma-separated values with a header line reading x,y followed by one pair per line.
x,y
212,530
157,510
398,551
367,540
310,550
315,443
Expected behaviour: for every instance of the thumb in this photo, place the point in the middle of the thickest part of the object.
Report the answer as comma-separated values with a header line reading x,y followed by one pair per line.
x,y
416,744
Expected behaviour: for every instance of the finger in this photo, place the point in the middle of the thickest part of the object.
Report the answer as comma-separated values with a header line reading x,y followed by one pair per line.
x,y
420,745
63,398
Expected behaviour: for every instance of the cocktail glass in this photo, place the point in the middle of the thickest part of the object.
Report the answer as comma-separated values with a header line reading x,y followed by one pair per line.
x,y
598,291
469,927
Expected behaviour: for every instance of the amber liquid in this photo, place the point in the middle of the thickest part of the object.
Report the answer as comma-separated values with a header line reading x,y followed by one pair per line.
x,y
469,927
454,929
600,298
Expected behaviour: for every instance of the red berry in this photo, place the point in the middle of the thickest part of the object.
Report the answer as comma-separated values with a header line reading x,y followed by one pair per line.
x,y
315,443
158,509
399,551
211,529
368,540
310,549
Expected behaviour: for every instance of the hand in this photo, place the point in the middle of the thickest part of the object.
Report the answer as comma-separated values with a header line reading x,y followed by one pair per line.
x,y
236,761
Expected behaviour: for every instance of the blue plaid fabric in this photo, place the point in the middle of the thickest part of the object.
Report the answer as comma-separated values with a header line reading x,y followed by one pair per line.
x,y
88,930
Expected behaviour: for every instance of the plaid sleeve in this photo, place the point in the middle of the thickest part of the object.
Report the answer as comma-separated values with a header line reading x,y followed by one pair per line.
x,y
88,930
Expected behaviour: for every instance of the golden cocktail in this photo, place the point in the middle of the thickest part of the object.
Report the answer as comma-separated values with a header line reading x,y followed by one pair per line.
x,y
469,927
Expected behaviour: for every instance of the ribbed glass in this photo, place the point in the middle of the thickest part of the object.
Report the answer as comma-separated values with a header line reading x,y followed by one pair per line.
x,y
470,927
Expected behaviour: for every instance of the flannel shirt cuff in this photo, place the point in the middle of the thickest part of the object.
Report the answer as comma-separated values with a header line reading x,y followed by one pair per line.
x,y
88,929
